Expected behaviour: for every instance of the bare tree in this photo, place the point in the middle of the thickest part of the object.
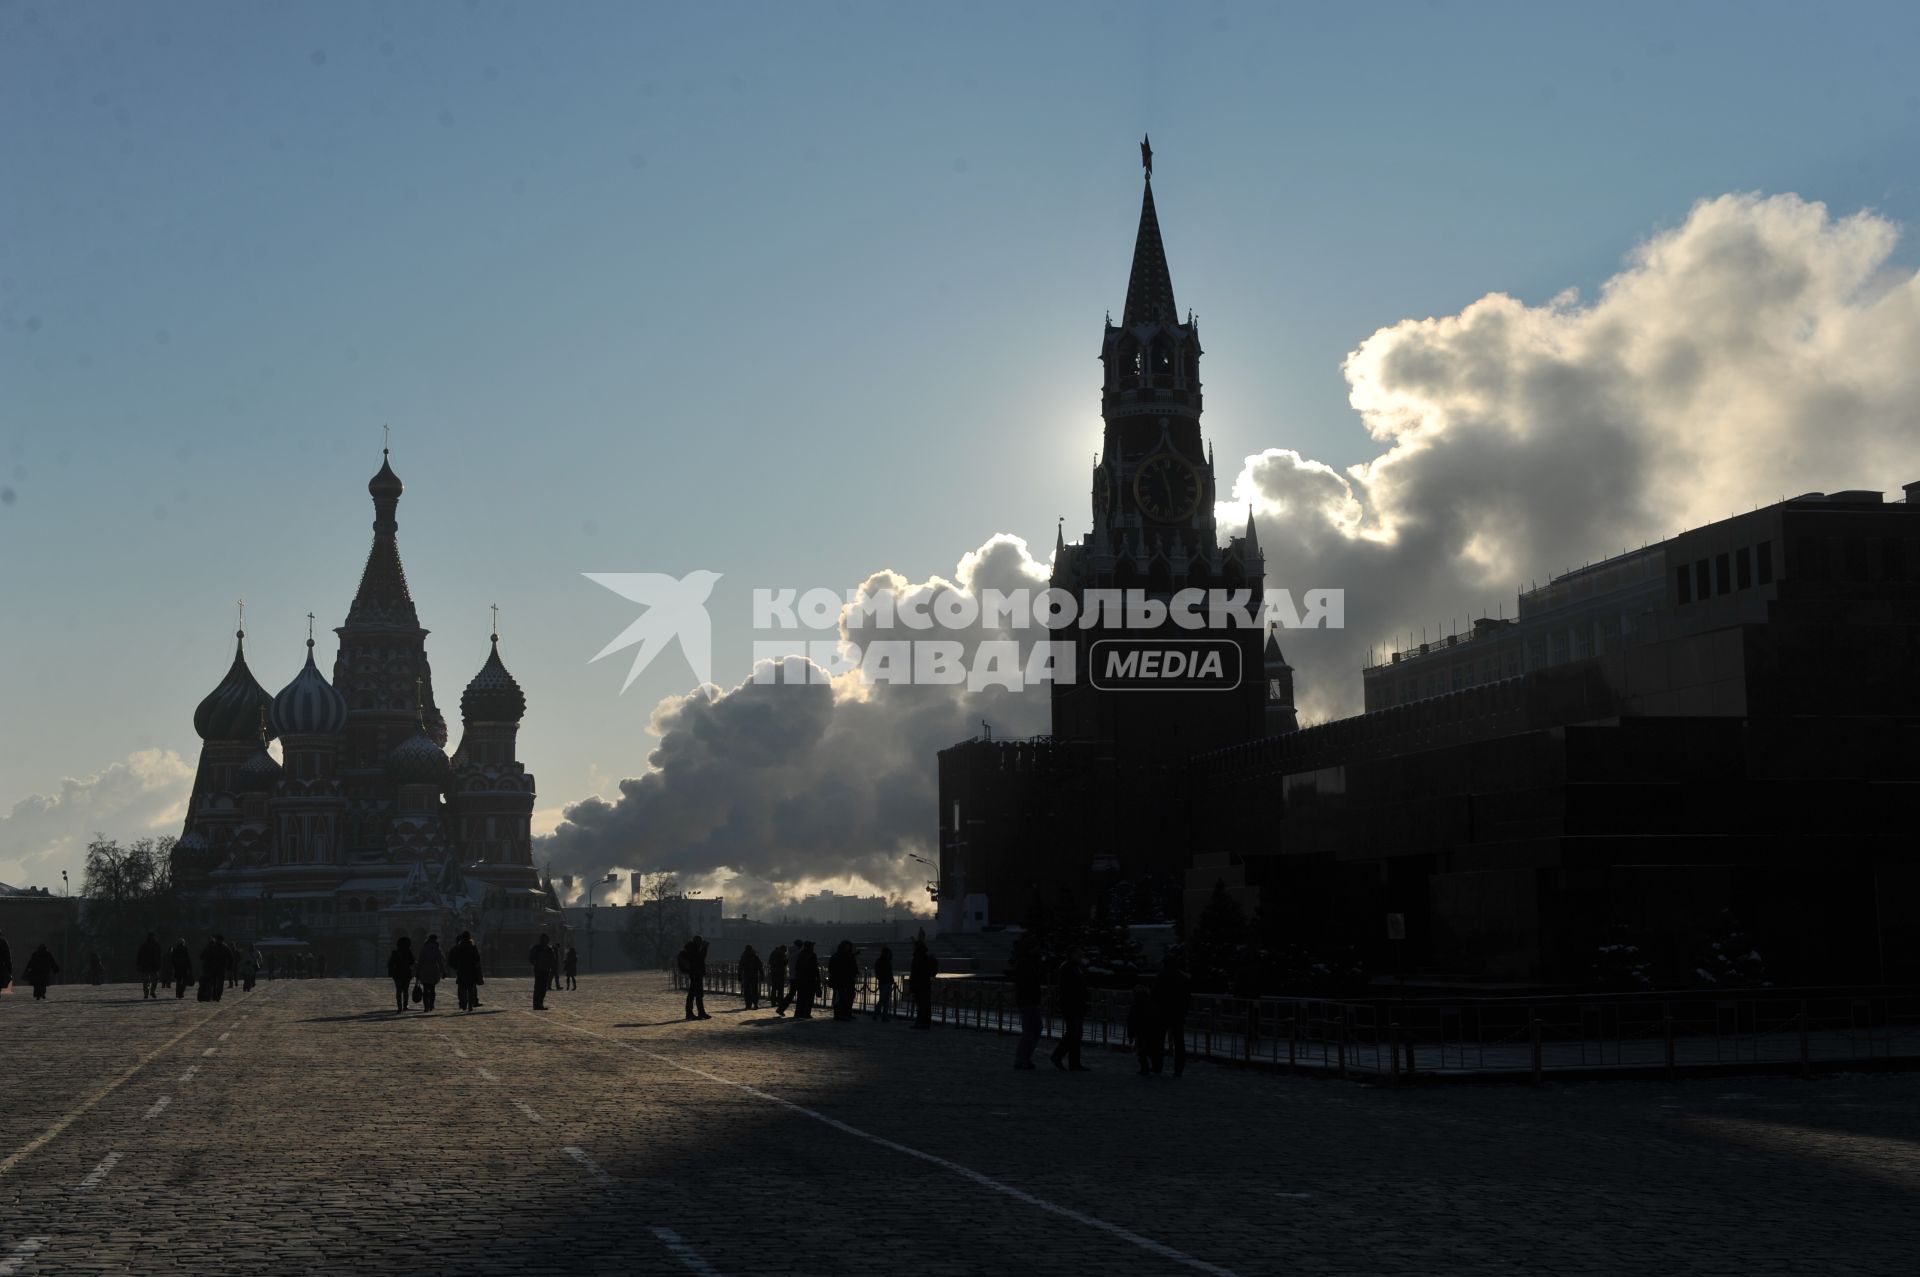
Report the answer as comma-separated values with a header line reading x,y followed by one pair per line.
x,y
657,925
129,891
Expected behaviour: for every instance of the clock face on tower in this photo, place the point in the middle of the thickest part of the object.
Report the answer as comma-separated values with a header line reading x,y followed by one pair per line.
x,y
1166,488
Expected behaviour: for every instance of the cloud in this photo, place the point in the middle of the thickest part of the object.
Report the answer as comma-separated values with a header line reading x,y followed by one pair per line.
x,y
143,795
796,783
1760,349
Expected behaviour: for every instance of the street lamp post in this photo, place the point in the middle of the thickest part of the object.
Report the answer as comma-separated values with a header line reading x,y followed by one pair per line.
x,y
591,888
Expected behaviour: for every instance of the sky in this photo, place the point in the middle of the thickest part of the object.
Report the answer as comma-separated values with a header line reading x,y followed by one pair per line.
x,y
801,294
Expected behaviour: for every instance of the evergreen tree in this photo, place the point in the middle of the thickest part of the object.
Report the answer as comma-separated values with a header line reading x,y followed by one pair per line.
x,y
1728,958
1619,964
1219,940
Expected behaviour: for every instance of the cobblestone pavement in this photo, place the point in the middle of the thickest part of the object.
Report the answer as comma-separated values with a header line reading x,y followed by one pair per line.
x,y
307,1128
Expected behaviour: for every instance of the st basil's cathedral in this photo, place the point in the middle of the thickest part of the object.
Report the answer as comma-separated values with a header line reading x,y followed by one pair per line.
x,y
365,830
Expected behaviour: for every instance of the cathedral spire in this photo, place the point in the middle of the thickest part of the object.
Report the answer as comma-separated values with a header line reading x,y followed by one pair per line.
x,y
383,598
1150,287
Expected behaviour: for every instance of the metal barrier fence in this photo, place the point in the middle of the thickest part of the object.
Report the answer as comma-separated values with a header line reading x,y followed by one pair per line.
x,y
1394,1039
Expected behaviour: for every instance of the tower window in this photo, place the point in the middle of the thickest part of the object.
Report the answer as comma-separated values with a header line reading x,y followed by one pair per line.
x,y
1763,562
1742,568
1702,583
1722,575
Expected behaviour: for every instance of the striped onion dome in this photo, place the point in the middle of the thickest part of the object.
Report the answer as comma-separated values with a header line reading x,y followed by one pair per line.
x,y
309,706
493,696
231,711
417,761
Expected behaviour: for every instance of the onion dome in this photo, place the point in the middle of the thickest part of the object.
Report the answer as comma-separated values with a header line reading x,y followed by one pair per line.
x,y
386,483
258,774
309,706
493,696
418,761
231,711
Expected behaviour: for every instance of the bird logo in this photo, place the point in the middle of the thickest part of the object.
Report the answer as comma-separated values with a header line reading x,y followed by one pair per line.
x,y
676,608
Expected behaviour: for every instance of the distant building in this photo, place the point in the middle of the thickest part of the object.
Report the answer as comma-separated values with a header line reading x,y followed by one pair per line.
x,y
1721,727
830,906
365,830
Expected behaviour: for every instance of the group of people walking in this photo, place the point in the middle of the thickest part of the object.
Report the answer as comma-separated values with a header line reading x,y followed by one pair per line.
x,y
222,966
792,980
416,977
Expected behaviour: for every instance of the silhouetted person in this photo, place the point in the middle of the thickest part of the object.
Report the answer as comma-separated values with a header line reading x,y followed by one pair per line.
x,y
546,964
96,970
400,971
464,958
40,970
1173,993
792,994
806,981
1070,984
1029,983
430,968
921,969
571,966
1143,1030
843,976
249,969
883,985
148,960
182,960
777,979
6,963
213,969
233,966
750,977
693,965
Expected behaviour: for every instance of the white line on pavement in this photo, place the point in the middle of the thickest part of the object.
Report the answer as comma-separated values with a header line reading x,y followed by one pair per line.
x,y
158,1105
1018,1194
99,1172
210,1050
26,1250
593,1168
488,1074
687,1255
45,1137
527,1109
191,1070
226,1035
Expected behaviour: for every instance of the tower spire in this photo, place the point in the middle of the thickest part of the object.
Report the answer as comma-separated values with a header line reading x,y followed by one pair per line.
x,y
1150,287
